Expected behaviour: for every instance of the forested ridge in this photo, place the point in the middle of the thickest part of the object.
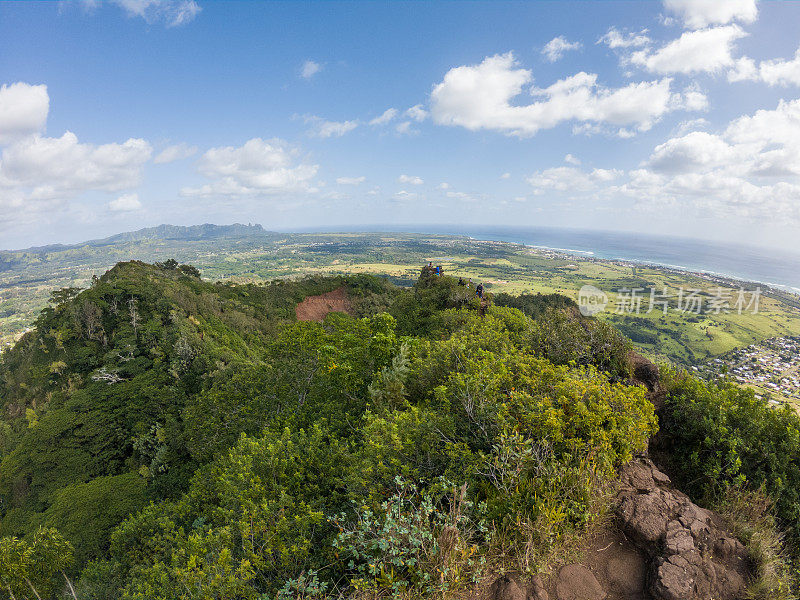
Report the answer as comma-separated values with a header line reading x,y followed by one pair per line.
x,y
166,437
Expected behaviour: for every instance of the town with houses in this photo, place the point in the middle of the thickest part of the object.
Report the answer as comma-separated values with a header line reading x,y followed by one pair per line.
x,y
771,368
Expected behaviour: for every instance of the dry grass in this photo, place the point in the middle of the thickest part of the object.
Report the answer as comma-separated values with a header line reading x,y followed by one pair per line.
x,y
748,513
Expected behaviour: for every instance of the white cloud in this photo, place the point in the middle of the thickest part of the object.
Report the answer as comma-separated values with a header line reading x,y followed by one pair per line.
x,y
765,144
751,168
309,69
691,125
171,12
404,128
461,196
443,186
505,176
480,97
23,110
781,72
570,179
258,167
42,168
350,180
40,173
772,72
614,39
404,195
555,48
385,117
125,203
175,152
417,112
571,160
743,69
697,14
705,50
410,179
327,129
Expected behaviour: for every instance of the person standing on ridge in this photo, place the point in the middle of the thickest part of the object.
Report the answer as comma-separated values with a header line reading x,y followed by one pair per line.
x,y
479,291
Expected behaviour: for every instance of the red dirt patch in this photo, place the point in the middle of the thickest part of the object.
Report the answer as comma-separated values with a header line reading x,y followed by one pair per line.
x,y
315,308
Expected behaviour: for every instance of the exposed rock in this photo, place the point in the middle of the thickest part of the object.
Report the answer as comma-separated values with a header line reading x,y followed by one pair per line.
x,y
691,555
537,591
576,582
507,588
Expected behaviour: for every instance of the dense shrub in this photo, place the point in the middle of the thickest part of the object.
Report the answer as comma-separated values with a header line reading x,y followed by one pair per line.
x,y
535,305
382,455
722,435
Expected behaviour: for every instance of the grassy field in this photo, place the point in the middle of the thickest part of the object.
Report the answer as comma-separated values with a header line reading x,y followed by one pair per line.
x,y
502,267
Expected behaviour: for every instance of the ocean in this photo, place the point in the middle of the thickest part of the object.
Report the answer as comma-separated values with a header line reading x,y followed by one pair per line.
x,y
750,263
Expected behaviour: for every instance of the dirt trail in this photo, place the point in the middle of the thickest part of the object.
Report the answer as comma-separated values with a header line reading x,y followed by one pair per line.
x,y
315,308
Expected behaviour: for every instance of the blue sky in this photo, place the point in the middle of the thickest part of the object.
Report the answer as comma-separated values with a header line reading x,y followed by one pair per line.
x,y
679,117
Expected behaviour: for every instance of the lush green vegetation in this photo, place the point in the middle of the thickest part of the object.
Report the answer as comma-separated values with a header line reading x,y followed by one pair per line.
x,y
167,437
193,440
722,435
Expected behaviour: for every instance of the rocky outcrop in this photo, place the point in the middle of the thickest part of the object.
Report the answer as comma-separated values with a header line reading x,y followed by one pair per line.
x,y
661,546
576,582
692,555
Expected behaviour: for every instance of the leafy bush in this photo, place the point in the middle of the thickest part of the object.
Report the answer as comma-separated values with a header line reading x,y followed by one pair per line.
x,y
535,305
417,542
267,445
722,435
38,566
565,337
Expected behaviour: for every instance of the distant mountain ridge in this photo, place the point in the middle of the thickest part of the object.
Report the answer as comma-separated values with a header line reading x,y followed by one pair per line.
x,y
205,231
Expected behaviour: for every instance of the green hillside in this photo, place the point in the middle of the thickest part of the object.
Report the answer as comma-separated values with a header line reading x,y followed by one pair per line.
x,y
169,438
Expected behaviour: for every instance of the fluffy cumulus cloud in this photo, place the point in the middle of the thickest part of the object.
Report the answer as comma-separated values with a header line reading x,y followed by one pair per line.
x,y
750,168
555,48
309,69
697,14
570,179
39,172
781,72
170,12
480,97
413,180
614,38
705,50
259,167
125,203
23,110
175,152
43,168
773,72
